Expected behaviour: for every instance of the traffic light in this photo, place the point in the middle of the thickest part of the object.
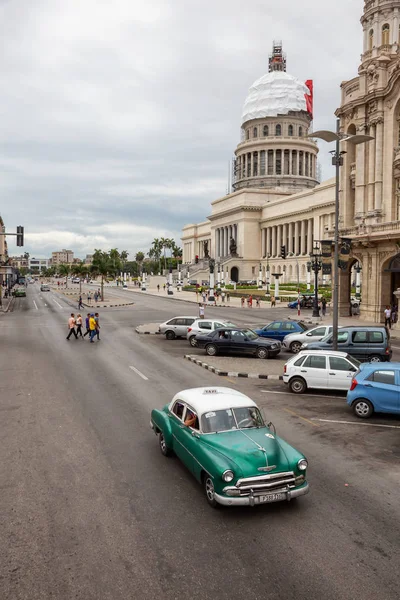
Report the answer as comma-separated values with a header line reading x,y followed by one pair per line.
x,y
20,235
196,260
283,251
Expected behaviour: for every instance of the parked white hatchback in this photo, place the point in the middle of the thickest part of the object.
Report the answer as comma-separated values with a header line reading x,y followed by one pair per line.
x,y
320,370
204,326
294,341
176,327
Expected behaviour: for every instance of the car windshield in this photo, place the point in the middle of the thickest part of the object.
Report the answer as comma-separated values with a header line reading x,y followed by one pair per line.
x,y
302,325
246,417
228,324
250,334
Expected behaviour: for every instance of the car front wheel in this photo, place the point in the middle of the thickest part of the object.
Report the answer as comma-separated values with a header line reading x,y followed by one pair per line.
x,y
165,451
170,335
209,491
211,350
297,385
295,347
193,341
261,353
363,408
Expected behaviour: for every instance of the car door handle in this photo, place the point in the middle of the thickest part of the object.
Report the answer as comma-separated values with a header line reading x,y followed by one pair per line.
x,y
367,385
332,373
303,371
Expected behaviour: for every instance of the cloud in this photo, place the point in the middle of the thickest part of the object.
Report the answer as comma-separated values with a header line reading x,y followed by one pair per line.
x,y
129,112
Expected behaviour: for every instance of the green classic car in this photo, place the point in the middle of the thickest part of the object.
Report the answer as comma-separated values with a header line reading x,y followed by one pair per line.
x,y
221,437
19,293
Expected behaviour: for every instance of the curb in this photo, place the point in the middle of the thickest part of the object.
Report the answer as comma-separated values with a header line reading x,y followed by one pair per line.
x,y
146,332
10,305
221,373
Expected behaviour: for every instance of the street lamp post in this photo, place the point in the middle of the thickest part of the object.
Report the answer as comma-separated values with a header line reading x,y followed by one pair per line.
x,y
308,276
316,266
292,255
267,276
358,281
337,161
260,279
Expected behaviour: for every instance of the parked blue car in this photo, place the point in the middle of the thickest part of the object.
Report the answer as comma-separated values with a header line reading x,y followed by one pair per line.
x,y
277,330
375,388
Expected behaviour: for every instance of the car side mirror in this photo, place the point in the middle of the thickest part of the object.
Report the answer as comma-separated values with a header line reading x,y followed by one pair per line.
x,y
309,334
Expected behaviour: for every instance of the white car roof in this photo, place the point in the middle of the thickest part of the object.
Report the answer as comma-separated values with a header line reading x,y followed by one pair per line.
x,y
211,320
322,352
181,317
205,399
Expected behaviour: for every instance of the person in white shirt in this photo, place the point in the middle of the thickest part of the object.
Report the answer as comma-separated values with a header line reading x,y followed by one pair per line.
x,y
388,317
201,311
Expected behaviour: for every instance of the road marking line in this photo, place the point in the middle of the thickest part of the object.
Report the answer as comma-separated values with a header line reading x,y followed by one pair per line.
x,y
231,380
35,304
396,347
57,303
356,423
304,419
303,395
139,373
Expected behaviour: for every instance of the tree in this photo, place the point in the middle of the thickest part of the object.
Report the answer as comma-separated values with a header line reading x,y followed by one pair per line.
x,y
156,251
139,259
102,266
64,271
166,244
124,258
176,250
79,270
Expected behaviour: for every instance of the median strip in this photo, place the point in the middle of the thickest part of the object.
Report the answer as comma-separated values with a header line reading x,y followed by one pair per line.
x,y
222,373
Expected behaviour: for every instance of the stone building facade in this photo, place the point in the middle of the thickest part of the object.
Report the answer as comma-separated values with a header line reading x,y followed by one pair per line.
x,y
276,198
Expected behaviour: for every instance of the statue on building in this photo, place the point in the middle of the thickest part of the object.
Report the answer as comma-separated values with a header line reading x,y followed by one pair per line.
x,y
211,265
205,248
232,247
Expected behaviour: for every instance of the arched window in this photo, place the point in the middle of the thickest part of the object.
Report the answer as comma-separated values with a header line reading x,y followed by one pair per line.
x,y
255,132
278,130
290,130
265,131
371,39
386,34
300,132
248,134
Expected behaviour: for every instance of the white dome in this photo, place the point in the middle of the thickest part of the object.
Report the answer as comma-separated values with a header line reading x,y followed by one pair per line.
x,y
274,94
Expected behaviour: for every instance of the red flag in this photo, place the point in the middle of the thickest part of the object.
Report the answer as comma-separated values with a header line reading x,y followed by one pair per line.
x,y
310,97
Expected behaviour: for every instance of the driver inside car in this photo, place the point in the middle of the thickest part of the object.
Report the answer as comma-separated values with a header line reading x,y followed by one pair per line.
x,y
191,419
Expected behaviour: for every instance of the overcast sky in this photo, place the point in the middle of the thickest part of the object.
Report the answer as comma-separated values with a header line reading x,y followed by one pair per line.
x,y
119,117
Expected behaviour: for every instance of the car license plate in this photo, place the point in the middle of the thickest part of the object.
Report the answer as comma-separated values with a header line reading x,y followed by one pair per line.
x,y
272,498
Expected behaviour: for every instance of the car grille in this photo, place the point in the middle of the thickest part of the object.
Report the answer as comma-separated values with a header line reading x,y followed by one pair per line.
x,y
265,483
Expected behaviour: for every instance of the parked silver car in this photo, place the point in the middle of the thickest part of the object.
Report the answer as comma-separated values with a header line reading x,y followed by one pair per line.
x,y
204,326
294,341
176,327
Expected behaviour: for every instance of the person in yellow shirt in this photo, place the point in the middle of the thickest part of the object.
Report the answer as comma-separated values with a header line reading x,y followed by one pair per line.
x,y
92,327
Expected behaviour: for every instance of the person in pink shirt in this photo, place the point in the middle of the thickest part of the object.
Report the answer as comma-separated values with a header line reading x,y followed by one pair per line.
x,y
71,326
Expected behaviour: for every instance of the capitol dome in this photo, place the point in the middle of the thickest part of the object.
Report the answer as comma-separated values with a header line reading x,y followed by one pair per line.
x,y
273,94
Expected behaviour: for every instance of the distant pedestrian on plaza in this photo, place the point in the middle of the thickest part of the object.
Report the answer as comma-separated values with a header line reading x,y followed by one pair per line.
x,y
250,301
95,297
79,323
242,301
201,311
99,294
89,298
92,327
204,296
97,319
257,302
164,286
273,301
228,297
87,325
323,306
71,326
158,287
80,303
394,313
388,317
222,296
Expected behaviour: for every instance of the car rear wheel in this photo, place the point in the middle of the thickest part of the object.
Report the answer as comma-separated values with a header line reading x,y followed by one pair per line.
x,y
209,490
295,347
297,385
363,408
170,335
262,353
375,358
165,451
193,341
211,350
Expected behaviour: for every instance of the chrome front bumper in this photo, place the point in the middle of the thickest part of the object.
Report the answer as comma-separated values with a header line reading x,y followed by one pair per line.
x,y
252,500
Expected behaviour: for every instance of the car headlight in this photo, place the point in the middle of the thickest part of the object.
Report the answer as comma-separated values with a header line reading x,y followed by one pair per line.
x,y
302,464
228,476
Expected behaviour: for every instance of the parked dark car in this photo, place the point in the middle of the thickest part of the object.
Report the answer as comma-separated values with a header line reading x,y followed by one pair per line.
x,y
305,302
369,343
277,330
232,340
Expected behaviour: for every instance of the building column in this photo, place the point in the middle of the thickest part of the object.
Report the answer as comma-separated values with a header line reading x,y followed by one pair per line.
x,y
268,250
378,164
226,241
273,162
252,164
216,243
273,253
310,235
371,169
296,238
284,235
263,249
278,239
290,236
303,238
359,205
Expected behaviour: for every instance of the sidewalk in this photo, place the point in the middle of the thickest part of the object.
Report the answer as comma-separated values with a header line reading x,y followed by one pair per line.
x,y
7,304
74,295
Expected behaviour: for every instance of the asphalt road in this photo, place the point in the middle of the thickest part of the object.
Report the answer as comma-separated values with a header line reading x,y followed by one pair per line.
x,y
90,509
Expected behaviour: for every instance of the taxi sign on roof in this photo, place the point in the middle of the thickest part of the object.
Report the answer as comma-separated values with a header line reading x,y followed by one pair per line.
x,y
210,391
